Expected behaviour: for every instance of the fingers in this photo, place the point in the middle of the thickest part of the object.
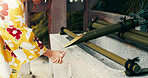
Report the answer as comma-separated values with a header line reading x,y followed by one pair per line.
x,y
53,60
61,62
63,52
62,55
57,56
58,60
60,51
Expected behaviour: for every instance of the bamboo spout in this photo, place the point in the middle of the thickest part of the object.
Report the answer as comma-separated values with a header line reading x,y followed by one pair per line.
x,y
134,36
100,23
101,32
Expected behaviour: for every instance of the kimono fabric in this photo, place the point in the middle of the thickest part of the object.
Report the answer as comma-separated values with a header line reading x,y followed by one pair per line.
x,y
18,45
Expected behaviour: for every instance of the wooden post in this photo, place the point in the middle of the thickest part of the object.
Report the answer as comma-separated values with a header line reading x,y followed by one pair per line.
x,y
27,13
87,12
58,15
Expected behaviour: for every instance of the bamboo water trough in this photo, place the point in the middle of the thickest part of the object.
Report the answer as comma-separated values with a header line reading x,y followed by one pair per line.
x,y
131,67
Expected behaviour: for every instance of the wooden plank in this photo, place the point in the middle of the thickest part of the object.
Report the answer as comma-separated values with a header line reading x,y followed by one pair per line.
x,y
58,15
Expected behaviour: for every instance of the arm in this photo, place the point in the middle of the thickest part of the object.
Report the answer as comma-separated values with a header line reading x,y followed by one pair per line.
x,y
55,56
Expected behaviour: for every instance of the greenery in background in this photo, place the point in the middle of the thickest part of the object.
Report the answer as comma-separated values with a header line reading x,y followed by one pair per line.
x,y
114,6
121,6
75,21
134,6
125,7
39,23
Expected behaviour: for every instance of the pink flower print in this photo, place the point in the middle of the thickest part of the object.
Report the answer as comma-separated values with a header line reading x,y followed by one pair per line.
x,y
40,44
14,32
3,8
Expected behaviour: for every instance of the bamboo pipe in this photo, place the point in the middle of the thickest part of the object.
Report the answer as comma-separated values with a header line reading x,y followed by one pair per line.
x,y
134,69
139,32
100,32
128,36
109,24
103,22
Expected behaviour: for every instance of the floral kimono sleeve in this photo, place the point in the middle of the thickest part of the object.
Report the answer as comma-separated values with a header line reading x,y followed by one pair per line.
x,y
18,44
22,42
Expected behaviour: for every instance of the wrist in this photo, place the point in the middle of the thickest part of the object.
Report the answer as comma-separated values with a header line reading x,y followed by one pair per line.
x,y
46,53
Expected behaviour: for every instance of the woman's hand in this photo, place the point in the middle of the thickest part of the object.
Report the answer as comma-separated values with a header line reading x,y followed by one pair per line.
x,y
55,56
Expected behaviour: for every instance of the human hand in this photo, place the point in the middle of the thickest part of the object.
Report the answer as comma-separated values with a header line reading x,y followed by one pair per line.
x,y
55,56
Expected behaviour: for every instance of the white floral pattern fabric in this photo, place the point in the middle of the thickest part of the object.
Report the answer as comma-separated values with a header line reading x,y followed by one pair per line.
x,y
18,45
